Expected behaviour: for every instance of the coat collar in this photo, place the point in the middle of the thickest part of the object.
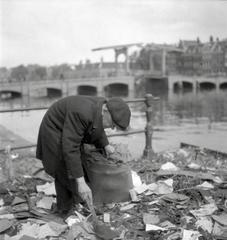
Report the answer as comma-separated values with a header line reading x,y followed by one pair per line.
x,y
98,113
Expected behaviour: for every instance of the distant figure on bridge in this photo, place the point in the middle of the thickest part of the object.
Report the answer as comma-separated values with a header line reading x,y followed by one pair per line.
x,y
68,124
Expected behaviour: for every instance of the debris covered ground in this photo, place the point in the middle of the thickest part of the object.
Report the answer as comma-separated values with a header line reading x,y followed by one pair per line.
x,y
176,195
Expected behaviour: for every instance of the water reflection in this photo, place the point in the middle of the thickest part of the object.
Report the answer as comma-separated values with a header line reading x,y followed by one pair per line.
x,y
208,107
26,101
171,106
208,104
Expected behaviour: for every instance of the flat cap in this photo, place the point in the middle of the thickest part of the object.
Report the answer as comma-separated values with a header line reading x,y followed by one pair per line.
x,y
119,111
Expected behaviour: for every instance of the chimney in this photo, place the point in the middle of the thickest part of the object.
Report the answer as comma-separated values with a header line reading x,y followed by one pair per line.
x,y
211,39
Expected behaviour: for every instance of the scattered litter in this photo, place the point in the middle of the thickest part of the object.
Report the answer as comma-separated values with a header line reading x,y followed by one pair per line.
x,y
78,231
14,155
217,180
190,235
199,175
151,227
165,204
136,180
169,166
194,166
80,216
7,216
72,220
167,225
106,218
161,187
183,153
51,229
205,186
127,207
142,188
222,219
176,198
205,210
5,224
219,230
29,229
150,218
18,200
168,155
46,202
22,207
25,237
133,195
105,232
205,223
47,188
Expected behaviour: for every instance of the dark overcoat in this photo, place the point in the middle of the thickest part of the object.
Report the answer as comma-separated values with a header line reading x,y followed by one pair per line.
x,y
68,124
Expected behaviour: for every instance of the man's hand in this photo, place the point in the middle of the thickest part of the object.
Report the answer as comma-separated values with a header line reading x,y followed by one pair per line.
x,y
109,149
84,191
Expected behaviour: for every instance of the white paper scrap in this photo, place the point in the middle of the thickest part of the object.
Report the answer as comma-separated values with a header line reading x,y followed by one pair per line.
x,y
205,210
169,166
190,235
136,180
45,202
72,220
48,188
151,227
205,185
142,188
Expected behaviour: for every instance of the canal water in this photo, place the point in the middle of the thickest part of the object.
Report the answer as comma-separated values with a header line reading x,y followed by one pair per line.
x,y
199,119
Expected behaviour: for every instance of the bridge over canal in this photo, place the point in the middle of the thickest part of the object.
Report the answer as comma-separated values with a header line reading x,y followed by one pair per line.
x,y
124,86
111,86
194,83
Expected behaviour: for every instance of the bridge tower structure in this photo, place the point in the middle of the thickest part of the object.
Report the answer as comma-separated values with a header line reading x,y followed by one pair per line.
x,y
119,50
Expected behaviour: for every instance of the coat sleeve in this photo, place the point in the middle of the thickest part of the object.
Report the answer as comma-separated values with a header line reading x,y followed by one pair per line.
x,y
73,133
102,141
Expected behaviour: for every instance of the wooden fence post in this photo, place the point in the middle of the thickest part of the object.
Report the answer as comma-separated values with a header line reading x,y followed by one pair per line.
x,y
148,151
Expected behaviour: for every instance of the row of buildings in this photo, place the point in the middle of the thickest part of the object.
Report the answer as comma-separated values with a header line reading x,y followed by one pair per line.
x,y
185,58
197,58
188,57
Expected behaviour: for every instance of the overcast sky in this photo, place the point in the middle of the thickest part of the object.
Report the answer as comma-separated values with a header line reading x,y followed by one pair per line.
x,y
65,31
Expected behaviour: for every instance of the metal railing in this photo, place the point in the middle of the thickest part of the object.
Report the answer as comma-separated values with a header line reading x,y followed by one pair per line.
x,y
148,100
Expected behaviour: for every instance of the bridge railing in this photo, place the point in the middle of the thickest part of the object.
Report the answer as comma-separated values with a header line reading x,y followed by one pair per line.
x,y
89,79
149,102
